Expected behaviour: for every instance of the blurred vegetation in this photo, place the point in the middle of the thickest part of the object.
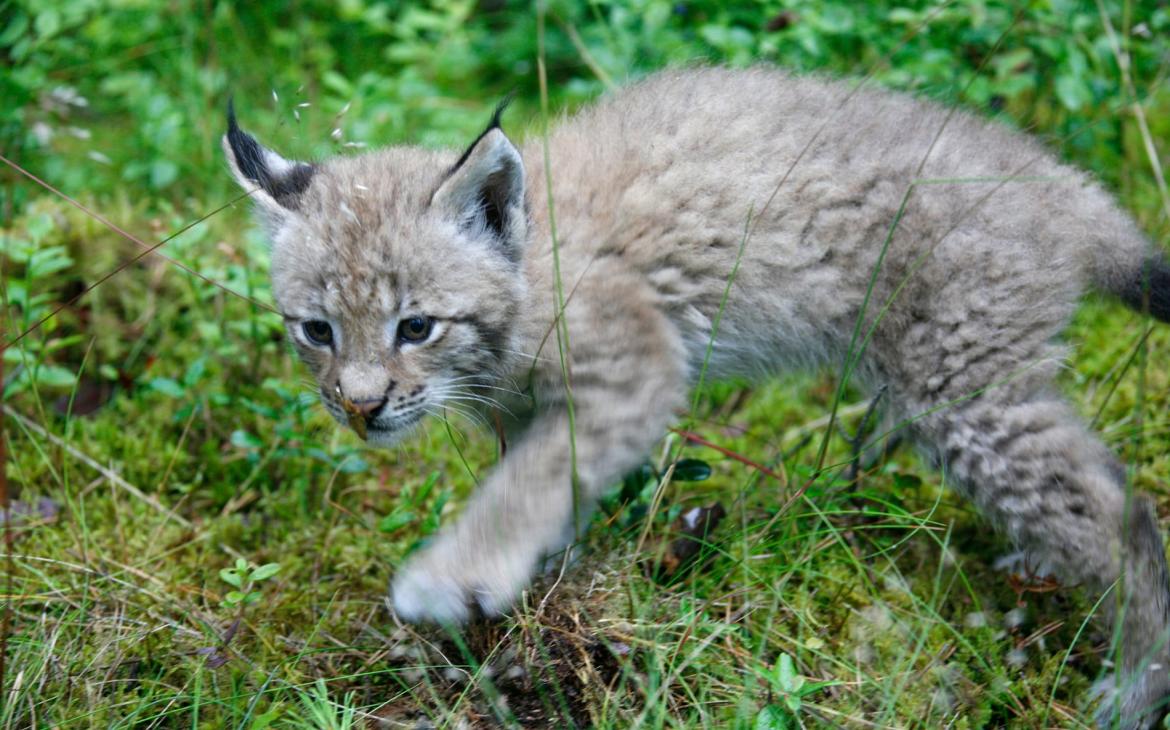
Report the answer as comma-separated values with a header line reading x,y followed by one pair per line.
x,y
188,392
106,95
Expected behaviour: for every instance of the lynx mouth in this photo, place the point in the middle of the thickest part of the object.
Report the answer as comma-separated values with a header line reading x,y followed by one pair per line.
x,y
389,431
382,431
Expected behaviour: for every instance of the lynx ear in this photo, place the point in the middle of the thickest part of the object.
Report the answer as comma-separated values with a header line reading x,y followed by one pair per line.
x,y
484,191
277,183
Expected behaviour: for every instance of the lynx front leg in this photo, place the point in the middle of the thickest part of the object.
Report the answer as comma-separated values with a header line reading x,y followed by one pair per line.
x,y
624,398
487,557
521,513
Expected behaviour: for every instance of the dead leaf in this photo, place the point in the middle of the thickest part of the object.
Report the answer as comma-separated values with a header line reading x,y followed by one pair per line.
x,y
781,21
357,419
691,531
90,396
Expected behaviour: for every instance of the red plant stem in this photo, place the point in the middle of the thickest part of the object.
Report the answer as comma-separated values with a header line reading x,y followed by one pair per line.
x,y
697,439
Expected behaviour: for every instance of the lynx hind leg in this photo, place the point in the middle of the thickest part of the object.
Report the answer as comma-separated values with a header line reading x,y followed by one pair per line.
x,y
1034,469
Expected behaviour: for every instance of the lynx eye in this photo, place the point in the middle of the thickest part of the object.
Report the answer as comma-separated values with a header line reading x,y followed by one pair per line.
x,y
318,332
415,329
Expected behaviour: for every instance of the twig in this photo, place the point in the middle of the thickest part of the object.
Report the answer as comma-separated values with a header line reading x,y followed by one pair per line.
x,y
564,564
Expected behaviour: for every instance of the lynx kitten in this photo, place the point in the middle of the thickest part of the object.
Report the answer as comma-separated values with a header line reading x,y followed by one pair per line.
x,y
413,280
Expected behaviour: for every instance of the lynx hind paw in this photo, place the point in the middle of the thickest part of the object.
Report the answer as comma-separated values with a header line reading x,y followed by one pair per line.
x,y
1137,704
430,588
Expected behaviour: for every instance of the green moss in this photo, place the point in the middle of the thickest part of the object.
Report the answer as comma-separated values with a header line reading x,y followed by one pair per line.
x,y
118,607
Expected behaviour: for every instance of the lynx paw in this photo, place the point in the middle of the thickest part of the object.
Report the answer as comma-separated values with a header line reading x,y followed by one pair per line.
x,y
1138,704
444,584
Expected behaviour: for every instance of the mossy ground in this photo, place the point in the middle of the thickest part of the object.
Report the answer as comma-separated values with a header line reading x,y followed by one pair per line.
x,y
884,586
158,429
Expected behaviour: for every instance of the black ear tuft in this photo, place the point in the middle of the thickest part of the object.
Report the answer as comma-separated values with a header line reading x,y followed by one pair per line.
x,y
483,192
248,153
281,179
501,108
494,123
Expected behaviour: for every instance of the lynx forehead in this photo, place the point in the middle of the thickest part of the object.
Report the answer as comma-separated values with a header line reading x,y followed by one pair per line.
x,y
414,281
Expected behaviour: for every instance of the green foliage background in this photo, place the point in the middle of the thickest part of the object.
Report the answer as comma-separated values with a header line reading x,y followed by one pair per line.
x,y
197,402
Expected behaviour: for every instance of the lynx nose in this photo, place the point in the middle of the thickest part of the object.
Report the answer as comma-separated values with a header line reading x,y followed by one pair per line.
x,y
369,406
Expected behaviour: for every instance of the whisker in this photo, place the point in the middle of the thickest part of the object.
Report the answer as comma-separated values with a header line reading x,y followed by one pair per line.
x,y
503,385
502,389
465,399
485,400
470,391
477,380
528,355
471,416
452,427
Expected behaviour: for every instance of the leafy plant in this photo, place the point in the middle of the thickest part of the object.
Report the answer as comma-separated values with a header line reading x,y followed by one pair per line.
x,y
790,688
416,506
322,713
245,577
35,261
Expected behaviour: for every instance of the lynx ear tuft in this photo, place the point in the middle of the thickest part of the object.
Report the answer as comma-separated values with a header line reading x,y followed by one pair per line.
x,y
484,190
493,123
277,183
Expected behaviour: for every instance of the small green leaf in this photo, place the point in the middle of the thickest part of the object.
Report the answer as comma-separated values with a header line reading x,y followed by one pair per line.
x,y
691,470
39,226
255,596
835,19
813,687
243,440
785,671
241,565
793,703
47,22
1072,91
266,571
195,372
353,464
907,481
265,720
395,521
163,173
231,577
55,376
772,718
432,520
424,491
635,481
167,387
17,27
234,597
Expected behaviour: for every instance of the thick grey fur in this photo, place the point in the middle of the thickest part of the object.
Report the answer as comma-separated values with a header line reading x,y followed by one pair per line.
x,y
991,241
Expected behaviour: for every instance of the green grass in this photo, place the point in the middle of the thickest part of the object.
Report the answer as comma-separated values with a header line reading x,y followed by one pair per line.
x,y
170,432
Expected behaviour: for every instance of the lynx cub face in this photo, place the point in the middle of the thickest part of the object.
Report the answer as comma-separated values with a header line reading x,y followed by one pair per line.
x,y
400,298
